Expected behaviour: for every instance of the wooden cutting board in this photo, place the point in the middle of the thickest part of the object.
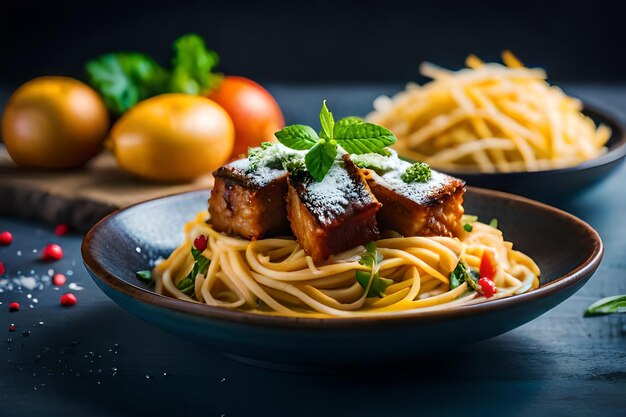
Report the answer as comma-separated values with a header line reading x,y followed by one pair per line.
x,y
78,197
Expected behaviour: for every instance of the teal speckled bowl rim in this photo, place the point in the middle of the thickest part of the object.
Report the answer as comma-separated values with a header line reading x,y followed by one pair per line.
x,y
584,270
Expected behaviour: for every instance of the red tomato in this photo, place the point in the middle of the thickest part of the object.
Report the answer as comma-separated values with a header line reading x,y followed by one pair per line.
x,y
252,108
488,265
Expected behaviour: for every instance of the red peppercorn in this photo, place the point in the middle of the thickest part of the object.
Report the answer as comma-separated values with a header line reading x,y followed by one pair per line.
x,y
200,243
488,287
6,238
11,327
1,268
61,229
59,279
14,306
52,252
68,299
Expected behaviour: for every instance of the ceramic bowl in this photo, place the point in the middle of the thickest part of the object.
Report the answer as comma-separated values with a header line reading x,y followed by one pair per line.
x,y
567,250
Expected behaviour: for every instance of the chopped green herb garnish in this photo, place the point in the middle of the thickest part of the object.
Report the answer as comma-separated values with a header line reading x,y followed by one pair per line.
x,y
468,227
351,134
145,276
494,223
463,273
418,172
200,266
609,305
378,284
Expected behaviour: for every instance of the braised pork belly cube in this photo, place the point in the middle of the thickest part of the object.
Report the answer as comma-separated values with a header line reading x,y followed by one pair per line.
x,y
249,202
431,208
333,215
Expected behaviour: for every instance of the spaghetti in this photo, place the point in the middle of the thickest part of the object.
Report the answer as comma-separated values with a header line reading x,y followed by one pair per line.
x,y
275,276
490,118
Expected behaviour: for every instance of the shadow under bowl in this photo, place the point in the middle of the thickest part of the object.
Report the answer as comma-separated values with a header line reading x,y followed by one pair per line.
x,y
567,250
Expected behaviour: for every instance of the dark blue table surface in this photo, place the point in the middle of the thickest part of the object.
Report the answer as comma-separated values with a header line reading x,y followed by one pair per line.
x,y
97,360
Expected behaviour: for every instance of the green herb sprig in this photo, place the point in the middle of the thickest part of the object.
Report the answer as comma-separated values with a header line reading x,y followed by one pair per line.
x,y
609,305
418,172
351,134
378,284
200,266
463,273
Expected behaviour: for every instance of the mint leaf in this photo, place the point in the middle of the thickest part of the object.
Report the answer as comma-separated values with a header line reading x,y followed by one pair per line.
x,y
320,158
192,66
327,121
124,79
298,137
345,122
360,138
609,305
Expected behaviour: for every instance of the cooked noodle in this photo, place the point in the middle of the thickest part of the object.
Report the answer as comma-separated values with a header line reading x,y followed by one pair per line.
x,y
490,118
275,276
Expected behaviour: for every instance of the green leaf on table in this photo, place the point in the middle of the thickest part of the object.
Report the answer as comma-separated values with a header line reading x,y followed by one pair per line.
x,y
609,305
298,137
192,66
320,158
124,79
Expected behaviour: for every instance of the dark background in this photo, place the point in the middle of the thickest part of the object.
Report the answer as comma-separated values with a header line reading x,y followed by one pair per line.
x,y
284,41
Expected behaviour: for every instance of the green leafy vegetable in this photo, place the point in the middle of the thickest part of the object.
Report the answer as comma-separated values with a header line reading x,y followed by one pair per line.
x,y
327,121
418,172
124,79
192,66
468,227
461,274
145,276
352,134
378,284
200,266
298,137
320,158
609,305
494,223
360,138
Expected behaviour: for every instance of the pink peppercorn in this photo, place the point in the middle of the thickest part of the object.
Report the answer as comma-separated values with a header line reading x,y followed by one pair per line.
x,y
52,252
5,238
59,279
68,299
61,229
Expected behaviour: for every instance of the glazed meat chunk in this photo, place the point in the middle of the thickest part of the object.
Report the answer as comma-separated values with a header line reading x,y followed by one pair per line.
x,y
333,215
249,203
